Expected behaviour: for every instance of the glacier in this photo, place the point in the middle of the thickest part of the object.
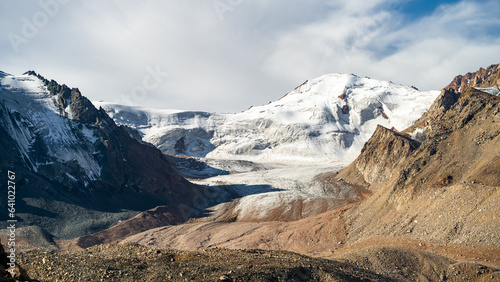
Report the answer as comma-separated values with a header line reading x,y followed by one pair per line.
x,y
324,119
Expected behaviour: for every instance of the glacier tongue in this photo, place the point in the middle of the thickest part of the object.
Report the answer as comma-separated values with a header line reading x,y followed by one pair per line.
x,y
35,116
324,119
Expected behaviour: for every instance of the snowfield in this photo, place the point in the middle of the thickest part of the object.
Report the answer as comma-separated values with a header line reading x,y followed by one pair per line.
x,y
324,119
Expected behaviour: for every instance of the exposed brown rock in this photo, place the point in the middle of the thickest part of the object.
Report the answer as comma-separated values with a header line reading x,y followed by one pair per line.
x,y
316,235
380,158
82,109
408,264
343,97
159,216
482,78
298,87
133,262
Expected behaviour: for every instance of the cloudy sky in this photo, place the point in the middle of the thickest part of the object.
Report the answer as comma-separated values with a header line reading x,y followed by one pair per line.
x,y
226,55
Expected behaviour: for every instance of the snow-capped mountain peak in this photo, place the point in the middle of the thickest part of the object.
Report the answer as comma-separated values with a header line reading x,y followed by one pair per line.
x,y
36,115
73,161
58,133
323,119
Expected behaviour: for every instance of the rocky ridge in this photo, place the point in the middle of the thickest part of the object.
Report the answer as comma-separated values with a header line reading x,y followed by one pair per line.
x,y
376,164
442,191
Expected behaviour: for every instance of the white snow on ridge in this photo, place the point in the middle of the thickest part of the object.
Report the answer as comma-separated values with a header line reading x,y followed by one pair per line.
x,y
490,90
38,115
308,124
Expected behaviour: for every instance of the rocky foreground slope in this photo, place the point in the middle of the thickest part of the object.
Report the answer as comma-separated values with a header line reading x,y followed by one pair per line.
x,y
138,263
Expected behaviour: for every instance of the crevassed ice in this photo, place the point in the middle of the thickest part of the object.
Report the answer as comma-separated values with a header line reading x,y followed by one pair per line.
x,y
306,125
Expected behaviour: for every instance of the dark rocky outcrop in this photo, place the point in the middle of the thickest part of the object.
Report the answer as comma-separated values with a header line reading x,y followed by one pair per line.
x,y
124,161
180,146
82,109
345,109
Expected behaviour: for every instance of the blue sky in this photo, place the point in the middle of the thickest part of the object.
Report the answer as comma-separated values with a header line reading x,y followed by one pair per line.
x,y
226,55
415,9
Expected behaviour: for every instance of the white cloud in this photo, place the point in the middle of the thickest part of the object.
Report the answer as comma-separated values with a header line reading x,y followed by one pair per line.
x,y
426,53
256,52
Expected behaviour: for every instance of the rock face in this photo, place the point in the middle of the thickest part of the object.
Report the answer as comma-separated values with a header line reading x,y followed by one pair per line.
x,y
379,158
443,191
78,172
482,79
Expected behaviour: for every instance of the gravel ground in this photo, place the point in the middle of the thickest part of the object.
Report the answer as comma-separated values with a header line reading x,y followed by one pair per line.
x,y
137,263
133,262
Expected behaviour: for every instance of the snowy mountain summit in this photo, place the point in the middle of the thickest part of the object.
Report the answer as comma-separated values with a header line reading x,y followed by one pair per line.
x,y
324,119
32,115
